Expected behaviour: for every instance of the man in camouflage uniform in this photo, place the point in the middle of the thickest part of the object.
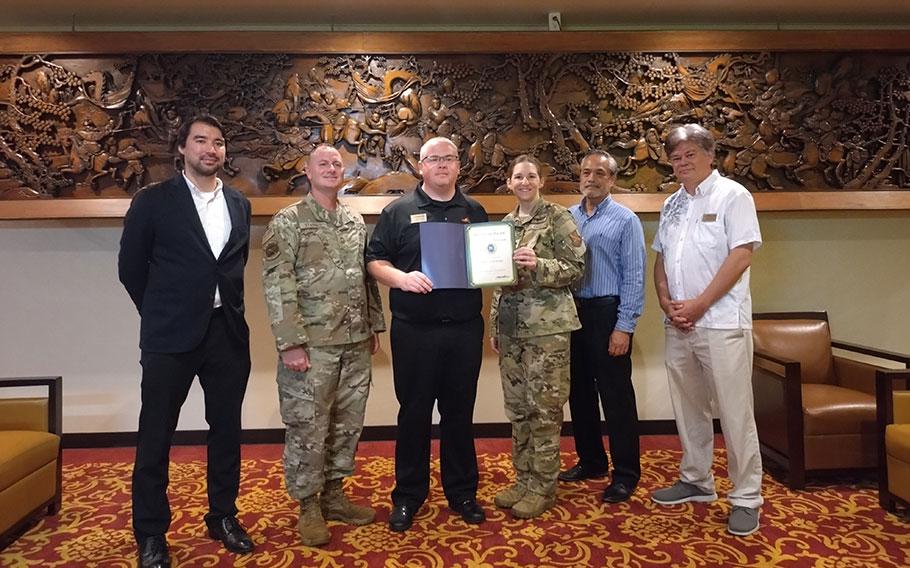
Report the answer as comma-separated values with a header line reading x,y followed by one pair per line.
x,y
325,313
530,324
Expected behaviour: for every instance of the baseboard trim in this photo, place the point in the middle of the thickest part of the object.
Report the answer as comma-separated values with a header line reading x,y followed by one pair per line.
x,y
370,434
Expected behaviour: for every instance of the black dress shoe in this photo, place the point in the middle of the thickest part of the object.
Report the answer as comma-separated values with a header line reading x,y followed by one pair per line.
x,y
617,493
402,517
470,511
153,552
231,534
580,473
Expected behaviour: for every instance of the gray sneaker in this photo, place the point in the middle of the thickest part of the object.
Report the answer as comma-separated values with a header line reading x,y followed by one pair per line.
x,y
681,492
743,521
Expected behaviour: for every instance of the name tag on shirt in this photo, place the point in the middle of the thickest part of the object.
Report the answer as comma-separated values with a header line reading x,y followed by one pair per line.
x,y
709,217
419,218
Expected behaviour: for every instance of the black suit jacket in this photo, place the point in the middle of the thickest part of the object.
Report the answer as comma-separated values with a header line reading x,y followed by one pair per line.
x,y
167,266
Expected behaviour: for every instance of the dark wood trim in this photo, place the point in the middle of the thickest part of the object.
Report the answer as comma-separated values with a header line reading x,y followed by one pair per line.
x,y
370,434
796,435
102,43
124,439
781,361
789,375
372,205
816,315
451,42
872,351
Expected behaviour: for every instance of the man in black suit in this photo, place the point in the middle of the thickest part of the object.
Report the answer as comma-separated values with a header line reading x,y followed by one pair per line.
x,y
184,246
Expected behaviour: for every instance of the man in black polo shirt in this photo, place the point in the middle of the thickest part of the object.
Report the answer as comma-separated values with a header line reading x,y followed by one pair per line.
x,y
437,342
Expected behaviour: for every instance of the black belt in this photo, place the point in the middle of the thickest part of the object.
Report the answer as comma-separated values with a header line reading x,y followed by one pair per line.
x,y
432,321
598,301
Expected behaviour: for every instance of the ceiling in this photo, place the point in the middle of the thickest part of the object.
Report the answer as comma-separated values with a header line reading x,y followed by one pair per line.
x,y
461,15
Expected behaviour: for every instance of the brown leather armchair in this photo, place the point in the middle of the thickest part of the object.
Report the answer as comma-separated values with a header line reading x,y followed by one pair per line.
x,y
894,439
815,411
30,455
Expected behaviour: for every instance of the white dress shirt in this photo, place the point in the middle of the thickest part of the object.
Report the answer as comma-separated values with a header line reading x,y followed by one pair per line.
x,y
215,218
696,234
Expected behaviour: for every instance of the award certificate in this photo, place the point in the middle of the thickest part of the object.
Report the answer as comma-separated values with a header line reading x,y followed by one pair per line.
x,y
489,248
453,255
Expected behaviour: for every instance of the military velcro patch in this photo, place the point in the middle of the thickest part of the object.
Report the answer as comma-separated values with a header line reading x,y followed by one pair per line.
x,y
272,250
576,238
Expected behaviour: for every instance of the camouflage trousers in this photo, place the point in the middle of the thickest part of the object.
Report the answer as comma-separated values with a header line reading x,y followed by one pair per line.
x,y
535,387
322,410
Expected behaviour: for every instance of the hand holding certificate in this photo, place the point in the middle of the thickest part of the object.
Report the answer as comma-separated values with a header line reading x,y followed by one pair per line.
x,y
467,256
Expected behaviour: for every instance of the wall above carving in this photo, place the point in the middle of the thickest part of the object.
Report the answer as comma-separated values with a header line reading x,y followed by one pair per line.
x,y
786,121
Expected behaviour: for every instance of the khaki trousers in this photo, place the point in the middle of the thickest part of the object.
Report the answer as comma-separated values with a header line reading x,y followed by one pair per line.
x,y
715,364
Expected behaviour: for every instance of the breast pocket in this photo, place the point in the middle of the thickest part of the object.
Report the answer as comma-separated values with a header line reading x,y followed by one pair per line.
x,y
315,259
710,234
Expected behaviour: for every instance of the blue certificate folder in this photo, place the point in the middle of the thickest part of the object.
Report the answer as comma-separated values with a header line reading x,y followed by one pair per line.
x,y
446,258
442,254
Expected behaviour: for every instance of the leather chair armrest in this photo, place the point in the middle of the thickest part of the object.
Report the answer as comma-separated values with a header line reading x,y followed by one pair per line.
x,y
886,380
855,375
24,414
901,406
777,392
874,352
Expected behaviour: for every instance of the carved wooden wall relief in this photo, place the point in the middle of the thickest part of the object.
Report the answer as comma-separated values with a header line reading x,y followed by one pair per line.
x,y
77,126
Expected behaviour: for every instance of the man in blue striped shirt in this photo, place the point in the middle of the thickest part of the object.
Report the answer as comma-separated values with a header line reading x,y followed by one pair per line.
x,y
609,299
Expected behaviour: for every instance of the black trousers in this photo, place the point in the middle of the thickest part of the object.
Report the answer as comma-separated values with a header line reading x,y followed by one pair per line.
x,y
223,366
595,372
435,362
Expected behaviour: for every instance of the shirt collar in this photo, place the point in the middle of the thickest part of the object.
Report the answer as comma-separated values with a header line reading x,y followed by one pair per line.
x,y
203,195
705,186
535,210
338,217
423,199
598,209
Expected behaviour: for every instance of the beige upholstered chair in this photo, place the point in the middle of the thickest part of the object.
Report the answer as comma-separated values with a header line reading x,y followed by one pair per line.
x,y
815,410
894,439
30,455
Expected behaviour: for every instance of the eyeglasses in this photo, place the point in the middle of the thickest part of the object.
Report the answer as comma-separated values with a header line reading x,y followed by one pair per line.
x,y
440,159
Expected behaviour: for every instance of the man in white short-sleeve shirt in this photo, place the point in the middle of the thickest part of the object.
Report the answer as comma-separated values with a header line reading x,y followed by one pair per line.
x,y
708,231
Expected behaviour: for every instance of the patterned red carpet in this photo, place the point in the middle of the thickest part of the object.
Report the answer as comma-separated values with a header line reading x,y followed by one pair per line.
x,y
833,524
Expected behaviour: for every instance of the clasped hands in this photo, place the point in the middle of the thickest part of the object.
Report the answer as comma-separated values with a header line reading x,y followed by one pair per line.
x,y
684,313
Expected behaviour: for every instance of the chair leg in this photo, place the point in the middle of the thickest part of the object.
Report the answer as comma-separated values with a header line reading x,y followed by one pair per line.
x,y
54,507
796,477
886,501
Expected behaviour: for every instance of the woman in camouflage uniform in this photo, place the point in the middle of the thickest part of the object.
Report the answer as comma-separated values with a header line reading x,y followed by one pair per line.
x,y
530,324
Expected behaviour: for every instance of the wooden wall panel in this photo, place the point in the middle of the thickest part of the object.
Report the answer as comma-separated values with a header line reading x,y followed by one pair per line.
x,y
807,120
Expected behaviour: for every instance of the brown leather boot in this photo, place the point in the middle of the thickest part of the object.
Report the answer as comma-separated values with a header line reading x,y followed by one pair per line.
x,y
336,506
311,525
